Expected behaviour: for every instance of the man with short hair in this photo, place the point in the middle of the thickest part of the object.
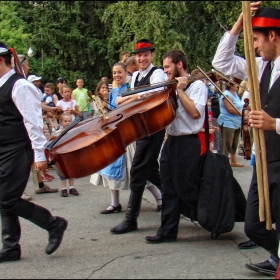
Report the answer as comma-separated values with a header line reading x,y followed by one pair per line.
x,y
131,67
180,155
124,56
266,36
22,143
145,165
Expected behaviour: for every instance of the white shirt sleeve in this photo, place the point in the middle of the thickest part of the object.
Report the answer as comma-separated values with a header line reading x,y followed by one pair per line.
x,y
158,76
229,64
26,98
278,126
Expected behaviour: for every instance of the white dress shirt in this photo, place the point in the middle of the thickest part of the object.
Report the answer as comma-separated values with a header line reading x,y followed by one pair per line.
x,y
184,124
229,64
158,76
26,98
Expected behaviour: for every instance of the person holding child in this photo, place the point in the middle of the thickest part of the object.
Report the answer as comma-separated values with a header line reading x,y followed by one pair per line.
x,y
48,100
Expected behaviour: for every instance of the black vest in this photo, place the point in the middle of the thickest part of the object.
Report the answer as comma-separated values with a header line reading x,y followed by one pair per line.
x,y
13,134
270,102
146,80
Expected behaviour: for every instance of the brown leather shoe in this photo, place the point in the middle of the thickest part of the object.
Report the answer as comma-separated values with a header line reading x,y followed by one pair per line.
x,y
46,189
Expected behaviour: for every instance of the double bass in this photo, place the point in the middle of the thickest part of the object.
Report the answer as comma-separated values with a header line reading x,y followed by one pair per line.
x,y
93,144
245,133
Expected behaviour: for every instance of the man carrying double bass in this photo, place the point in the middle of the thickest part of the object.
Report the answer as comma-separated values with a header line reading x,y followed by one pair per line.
x,y
266,36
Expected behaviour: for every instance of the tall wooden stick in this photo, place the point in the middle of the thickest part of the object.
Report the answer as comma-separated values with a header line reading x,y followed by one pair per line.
x,y
258,134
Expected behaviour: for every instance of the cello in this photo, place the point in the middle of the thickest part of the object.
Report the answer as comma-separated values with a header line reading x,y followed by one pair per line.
x,y
93,144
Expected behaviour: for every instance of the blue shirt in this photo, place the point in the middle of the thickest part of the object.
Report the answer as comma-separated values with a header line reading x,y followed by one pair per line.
x,y
116,169
227,119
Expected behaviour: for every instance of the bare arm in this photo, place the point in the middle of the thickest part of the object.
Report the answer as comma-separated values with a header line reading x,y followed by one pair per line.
x,y
127,99
229,107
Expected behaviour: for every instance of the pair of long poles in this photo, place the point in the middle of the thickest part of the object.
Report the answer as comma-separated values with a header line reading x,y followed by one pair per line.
x,y
255,103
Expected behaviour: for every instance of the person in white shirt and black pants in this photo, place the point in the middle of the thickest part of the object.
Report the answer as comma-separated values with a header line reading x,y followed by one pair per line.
x,y
181,153
22,142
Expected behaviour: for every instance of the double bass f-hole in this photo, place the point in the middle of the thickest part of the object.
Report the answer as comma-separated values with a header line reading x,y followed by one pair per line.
x,y
105,126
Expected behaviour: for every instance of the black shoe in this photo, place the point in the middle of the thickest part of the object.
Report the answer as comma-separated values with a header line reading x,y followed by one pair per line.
x,y
74,192
118,209
264,267
159,208
10,255
124,227
247,245
56,235
64,193
158,239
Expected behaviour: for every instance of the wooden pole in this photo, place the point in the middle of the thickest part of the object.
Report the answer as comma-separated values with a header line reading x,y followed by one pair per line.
x,y
258,134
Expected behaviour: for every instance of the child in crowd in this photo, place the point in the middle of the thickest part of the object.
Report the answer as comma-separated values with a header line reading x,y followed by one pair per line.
x,y
81,95
66,104
212,129
48,100
64,121
47,132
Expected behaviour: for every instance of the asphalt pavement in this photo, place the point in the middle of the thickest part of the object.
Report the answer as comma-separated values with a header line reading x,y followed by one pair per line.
x,y
90,251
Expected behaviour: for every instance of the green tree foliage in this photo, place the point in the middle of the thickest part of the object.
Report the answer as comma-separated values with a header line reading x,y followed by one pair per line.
x,y
12,27
85,38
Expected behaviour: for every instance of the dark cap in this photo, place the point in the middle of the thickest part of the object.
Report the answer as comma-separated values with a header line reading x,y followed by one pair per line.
x,y
143,45
266,17
61,80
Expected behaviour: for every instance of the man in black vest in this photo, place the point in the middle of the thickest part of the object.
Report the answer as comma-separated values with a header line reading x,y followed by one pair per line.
x,y
266,35
145,165
22,142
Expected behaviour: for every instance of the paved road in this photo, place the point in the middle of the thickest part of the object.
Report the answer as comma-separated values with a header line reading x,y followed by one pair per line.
x,y
90,251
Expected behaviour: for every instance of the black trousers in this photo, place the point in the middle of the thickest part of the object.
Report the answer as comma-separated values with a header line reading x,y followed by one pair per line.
x,y
178,168
254,229
145,165
15,168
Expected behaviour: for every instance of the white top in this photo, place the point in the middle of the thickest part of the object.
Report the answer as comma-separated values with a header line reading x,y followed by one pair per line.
x,y
184,124
229,64
48,99
245,95
26,98
158,76
66,105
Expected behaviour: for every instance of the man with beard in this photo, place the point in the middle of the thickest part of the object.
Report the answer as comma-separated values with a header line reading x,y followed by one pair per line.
x,y
266,37
181,152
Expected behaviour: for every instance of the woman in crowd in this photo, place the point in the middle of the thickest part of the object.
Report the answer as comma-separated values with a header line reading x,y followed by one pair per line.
x,y
230,122
116,176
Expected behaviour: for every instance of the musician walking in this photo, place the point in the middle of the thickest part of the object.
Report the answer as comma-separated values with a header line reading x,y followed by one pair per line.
x,y
22,142
266,36
180,155
145,161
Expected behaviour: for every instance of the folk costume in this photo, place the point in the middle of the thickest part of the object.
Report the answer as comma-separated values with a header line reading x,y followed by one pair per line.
x,y
179,163
145,165
116,176
269,77
21,140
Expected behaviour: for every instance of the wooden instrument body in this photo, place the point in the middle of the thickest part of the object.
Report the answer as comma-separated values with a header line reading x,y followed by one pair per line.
x,y
245,133
94,144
